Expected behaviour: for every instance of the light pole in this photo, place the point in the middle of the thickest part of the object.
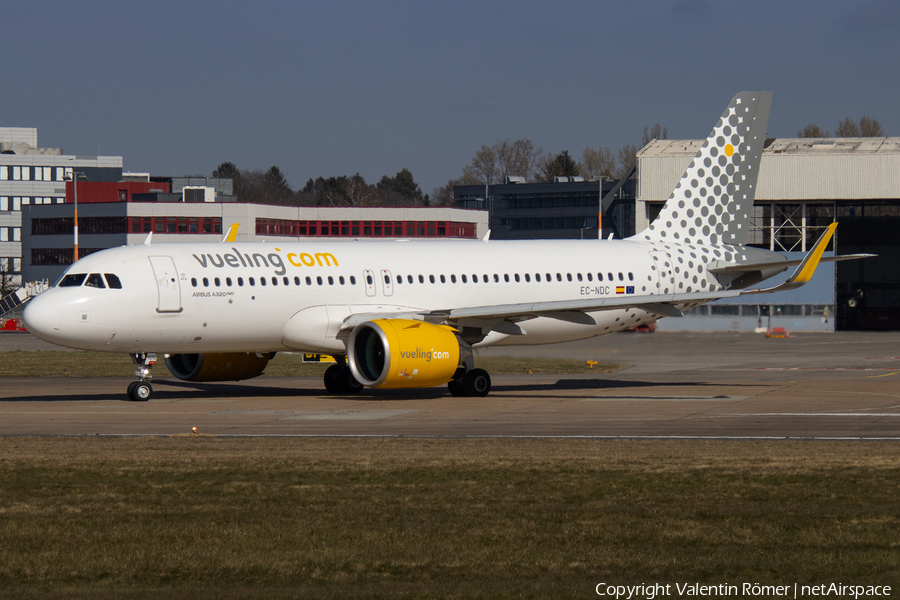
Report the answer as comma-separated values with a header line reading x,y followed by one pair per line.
x,y
76,175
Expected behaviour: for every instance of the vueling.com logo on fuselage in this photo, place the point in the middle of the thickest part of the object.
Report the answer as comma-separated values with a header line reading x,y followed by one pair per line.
x,y
271,260
427,355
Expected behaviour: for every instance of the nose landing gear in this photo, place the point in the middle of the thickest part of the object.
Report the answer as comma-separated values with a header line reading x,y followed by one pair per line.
x,y
140,391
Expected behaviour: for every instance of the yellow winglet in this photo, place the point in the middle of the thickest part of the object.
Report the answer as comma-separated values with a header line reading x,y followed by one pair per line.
x,y
806,269
231,234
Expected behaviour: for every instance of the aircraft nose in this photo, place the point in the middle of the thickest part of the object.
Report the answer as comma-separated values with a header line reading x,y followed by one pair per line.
x,y
42,317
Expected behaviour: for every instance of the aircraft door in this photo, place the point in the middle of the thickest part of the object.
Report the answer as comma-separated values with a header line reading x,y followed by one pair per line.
x,y
387,286
369,278
167,284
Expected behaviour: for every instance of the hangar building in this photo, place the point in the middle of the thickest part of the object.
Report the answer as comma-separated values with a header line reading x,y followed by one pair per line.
x,y
804,184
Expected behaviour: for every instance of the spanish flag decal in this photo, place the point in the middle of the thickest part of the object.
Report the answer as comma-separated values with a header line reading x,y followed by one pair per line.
x,y
620,289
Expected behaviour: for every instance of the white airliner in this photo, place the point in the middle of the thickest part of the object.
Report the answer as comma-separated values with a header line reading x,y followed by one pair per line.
x,y
409,313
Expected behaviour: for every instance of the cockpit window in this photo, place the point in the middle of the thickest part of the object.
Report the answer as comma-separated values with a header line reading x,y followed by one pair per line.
x,y
95,280
72,280
113,281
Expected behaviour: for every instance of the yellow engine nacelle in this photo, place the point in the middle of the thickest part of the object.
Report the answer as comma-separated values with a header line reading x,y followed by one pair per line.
x,y
229,366
400,353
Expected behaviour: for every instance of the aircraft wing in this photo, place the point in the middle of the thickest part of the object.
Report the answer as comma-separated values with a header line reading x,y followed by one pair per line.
x,y
572,311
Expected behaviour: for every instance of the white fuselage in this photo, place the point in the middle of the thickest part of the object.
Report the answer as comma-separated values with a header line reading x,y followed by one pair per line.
x,y
266,297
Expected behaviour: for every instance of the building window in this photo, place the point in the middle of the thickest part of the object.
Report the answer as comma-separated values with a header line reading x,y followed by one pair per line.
x,y
164,224
58,256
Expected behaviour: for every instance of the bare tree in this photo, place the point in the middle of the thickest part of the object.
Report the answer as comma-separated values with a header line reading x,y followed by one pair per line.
x,y
657,132
443,196
7,281
847,128
520,157
359,193
483,168
501,159
627,157
869,127
597,163
813,131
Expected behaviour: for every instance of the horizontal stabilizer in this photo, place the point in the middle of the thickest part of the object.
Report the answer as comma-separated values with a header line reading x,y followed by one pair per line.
x,y
735,268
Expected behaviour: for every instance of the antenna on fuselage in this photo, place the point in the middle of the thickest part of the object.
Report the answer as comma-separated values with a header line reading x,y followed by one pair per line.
x,y
147,241
487,236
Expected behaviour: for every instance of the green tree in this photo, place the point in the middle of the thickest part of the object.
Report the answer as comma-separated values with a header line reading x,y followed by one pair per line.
x,y
401,190
561,165
327,192
226,170
275,187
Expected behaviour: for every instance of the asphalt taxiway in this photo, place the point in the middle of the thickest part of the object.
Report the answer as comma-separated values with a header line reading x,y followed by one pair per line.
x,y
723,386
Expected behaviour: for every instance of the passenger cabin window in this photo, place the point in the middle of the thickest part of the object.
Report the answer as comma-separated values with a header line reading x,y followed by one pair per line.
x,y
113,281
72,280
95,280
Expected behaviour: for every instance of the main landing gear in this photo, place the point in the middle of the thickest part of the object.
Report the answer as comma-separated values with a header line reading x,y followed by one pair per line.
x,y
339,378
474,383
140,391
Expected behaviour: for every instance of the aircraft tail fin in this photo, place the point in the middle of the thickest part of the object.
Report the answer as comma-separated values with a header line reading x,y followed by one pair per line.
x,y
713,200
231,234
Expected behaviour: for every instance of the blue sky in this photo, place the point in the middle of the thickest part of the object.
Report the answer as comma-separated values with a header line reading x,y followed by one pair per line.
x,y
336,88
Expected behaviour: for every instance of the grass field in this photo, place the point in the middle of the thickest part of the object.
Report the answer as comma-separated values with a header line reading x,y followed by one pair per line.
x,y
206,517
60,363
